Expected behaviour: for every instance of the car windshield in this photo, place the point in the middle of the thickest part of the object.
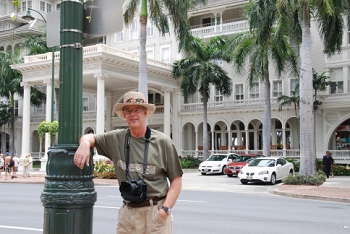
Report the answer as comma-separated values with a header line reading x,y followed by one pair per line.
x,y
217,158
262,163
244,158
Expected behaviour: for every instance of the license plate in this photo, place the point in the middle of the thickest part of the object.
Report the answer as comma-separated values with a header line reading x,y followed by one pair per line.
x,y
249,177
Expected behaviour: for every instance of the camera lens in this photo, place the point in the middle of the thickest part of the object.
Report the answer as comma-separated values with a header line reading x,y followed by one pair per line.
x,y
128,187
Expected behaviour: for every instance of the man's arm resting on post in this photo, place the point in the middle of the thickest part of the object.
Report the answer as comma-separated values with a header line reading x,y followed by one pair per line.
x,y
82,155
172,195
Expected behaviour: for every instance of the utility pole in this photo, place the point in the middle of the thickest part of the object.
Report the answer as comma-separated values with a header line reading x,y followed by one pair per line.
x,y
69,194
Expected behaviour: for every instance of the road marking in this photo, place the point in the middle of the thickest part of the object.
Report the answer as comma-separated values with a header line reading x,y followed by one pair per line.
x,y
107,207
191,201
22,228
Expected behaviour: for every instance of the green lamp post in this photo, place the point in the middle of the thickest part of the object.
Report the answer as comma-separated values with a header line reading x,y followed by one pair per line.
x,y
69,194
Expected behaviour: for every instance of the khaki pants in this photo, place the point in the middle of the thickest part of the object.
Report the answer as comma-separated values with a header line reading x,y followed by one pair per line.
x,y
143,220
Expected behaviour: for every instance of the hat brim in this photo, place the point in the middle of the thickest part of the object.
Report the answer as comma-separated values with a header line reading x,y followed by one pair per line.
x,y
119,108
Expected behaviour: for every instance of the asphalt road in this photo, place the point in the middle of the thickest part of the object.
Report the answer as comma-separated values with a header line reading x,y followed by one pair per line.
x,y
207,204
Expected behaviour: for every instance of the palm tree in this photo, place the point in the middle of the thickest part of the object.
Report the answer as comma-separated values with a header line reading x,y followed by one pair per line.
x,y
198,71
158,11
10,84
329,19
263,44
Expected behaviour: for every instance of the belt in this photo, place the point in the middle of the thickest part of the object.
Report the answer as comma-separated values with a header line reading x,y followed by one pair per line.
x,y
144,203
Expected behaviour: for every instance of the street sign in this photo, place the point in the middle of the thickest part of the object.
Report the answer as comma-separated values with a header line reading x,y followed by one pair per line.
x,y
53,29
102,17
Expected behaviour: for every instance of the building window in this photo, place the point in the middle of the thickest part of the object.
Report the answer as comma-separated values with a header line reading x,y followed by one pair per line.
x,y
133,30
254,90
42,6
293,86
119,37
165,54
150,53
15,108
2,7
58,6
158,98
277,88
150,29
39,110
48,8
337,77
85,104
218,96
24,6
239,94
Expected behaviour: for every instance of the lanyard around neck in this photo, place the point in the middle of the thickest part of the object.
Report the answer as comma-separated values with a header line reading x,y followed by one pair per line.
x,y
127,151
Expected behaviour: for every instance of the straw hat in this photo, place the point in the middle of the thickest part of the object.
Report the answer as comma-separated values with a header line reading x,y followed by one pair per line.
x,y
133,99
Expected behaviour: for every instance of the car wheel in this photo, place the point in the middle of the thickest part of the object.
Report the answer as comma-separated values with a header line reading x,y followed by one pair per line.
x,y
223,170
244,182
291,172
203,173
273,179
229,175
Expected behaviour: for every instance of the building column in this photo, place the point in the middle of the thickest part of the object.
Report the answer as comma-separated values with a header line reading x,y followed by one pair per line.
x,y
48,111
109,104
26,119
246,140
167,104
284,141
100,110
176,136
212,141
346,79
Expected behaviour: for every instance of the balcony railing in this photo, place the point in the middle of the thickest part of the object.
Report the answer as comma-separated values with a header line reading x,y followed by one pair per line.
x,y
229,26
240,104
99,48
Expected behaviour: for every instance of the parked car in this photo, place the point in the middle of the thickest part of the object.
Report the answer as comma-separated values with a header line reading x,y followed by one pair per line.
x,y
242,160
216,163
267,169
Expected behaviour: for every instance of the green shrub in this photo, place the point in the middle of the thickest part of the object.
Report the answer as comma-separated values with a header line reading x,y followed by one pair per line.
x,y
295,163
36,164
103,170
316,179
190,162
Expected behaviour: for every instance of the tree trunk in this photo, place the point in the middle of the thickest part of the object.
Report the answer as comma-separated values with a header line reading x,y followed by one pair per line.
x,y
267,116
12,132
205,124
307,129
143,58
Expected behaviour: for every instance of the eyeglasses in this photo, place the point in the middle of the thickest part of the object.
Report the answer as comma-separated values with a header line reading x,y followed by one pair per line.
x,y
135,100
136,111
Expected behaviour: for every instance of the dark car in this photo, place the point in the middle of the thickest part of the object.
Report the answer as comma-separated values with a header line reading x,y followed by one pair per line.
x,y
235,167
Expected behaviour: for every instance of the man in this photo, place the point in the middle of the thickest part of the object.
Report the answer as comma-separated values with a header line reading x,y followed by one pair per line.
x,y
8,167
154,163
15,166
327,162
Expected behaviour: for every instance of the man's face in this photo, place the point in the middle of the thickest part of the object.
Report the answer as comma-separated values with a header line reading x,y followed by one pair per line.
x,y
135,115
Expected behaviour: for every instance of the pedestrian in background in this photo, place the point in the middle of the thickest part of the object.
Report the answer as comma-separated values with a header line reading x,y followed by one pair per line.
x,y
327,162
15,166
26,165
2,164
8,167
143,158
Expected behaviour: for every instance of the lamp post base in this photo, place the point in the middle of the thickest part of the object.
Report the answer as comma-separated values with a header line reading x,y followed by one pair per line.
x,y
69,194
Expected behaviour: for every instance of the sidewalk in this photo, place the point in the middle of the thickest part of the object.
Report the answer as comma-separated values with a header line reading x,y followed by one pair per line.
x,y
335,189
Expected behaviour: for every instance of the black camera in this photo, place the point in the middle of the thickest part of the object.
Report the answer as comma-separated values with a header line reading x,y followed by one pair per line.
x,y
133,190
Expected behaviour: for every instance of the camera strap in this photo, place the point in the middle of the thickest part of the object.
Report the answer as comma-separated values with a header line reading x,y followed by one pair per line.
x,y
145,155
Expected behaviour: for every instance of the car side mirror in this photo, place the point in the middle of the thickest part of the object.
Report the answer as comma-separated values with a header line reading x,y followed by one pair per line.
x,y
230,160
279,165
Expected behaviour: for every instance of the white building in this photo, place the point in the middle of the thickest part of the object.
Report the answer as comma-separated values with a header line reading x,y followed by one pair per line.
x,y
110,68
